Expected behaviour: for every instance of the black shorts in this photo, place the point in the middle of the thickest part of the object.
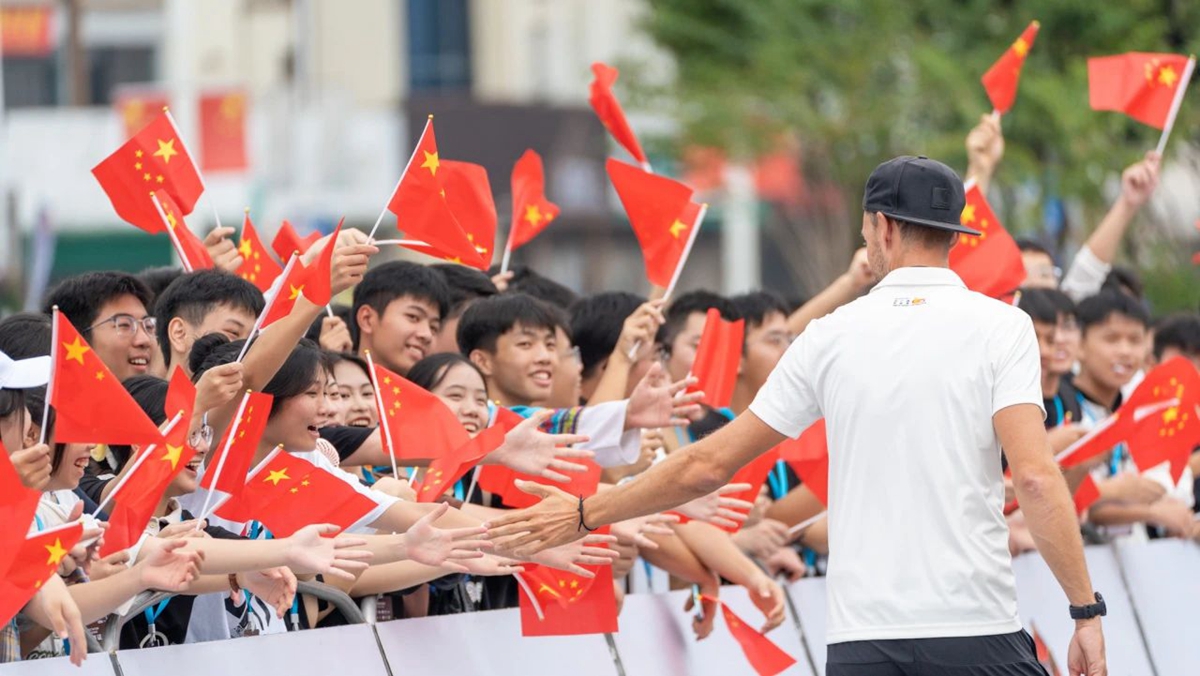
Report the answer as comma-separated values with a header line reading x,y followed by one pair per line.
x,y
1001,655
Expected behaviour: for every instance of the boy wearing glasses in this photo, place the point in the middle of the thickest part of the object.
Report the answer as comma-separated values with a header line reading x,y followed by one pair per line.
x,y
110,309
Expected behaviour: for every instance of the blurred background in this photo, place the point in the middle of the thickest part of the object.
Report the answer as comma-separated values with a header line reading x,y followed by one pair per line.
x,y
775,110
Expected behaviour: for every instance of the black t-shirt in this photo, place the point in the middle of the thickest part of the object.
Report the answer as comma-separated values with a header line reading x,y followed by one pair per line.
x,y
346,439
1068,400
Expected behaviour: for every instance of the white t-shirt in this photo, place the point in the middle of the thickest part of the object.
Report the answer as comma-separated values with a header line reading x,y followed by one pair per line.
x,y
908,379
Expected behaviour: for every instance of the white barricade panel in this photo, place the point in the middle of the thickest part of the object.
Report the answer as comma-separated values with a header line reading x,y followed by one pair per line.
x,y
808,595
96,664
656,637
1164,580
336,650
488,643
1042,604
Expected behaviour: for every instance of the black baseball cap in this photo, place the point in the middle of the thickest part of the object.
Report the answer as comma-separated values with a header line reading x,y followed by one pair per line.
x,y
917,190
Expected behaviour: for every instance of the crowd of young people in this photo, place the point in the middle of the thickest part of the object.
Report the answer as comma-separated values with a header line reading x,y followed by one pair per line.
x,y
598,378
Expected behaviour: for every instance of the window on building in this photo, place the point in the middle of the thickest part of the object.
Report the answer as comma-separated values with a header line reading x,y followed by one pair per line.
x,y
109,67
439,47
30,81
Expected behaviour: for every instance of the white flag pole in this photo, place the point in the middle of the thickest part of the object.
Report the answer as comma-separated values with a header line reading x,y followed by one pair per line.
x,y
428,125
50,383
1183,84
508,248
187,263
233,428
384,429
687,251
272,296
800,527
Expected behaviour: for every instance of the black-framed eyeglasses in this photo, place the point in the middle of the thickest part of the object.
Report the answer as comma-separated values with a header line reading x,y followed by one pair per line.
x,y
126,325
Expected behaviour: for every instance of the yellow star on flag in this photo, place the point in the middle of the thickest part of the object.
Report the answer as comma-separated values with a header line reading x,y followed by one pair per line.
x,y
138,166
172,455
56,552
1167,76
99,375
533,215
295,291
171,220
166,150
276,476
431,163
137,153
245,249
968,214
1021,47
1171,415
677,228
76,349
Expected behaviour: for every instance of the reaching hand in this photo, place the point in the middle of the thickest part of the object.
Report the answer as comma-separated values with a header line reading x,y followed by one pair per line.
x,y
1085,655
433,546
490,565
762,539
183,529
1139,180
109,565
274,586
168,567
221,249
529,450
1172,515
656,402
348,265
719,509
639,329
218,386
586,552
1064,435
33,465
768,597
859,272
59,608
551,522
634,531
335,335
985,147
308,553
785,561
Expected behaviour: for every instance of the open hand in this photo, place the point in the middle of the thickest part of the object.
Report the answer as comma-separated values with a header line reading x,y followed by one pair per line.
x,y
718,508
441,547
531,451
657,402
572,556
309,553
274,586
169,567
551,522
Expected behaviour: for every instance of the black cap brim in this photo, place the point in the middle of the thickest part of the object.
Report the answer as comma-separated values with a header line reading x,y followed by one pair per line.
x,y
955,227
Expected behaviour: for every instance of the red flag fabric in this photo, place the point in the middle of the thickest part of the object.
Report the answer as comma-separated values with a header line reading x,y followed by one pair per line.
x,y
469,196
37,558
532,212
1086,495
419,424
258,267
245,432
662,215
1142,85
808,456
137,107
571,604
223,131
279,470
1169,435
500,480
90,404
181,396
135,500
754,473
990,263
281,297
317,496
609,110
18,504
444,472
317,279
189,247
287,241
154,159
1042,652
718,357
422,205
766,658
1001,79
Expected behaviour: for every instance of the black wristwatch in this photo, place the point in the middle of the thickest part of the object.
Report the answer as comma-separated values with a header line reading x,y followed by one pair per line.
x,y
1097,609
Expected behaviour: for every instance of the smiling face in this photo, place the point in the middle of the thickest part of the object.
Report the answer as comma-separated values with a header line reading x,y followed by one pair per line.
x,y
358,396
1112,351
72,467
464,392
188,478
521,370
295,422
402,335
234,322
1058,344
126,352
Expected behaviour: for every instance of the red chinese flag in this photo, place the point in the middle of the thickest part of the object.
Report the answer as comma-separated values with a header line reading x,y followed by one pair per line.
x,y
1172,433
245,433
287,241
419,425
808,456
317,279
532,212
718,357
571,604
223,131
278,469
662,215
609,110
281,297
318,497
1001,79
258,267
17,506
90,404
444,472
36,559
754,473
135,501
764,656
137,108
421,203
1141,85
189,247
990,263
181,396
500,480
1086,495
154,159
469,195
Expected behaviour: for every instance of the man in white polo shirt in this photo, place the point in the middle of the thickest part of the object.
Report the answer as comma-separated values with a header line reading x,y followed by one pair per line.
x,y
920,382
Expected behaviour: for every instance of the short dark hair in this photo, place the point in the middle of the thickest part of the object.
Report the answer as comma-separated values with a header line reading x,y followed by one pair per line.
x,y
1046,305
385,283
158,279
431,370
193,295
1098,308
25,335
1180,331
1025,244
687,304
465,284
81,297
1124,280
755,306
489,318
596,324
297,373
526,280
924,235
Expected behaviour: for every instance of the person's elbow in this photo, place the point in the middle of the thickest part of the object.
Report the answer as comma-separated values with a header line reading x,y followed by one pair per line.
x,y
704,474
1036,482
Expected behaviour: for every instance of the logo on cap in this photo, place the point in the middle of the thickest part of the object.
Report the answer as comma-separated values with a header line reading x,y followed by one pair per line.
x,y
941,198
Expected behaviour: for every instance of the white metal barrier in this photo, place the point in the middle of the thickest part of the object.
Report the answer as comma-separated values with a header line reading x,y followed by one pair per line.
x,y
1152,592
